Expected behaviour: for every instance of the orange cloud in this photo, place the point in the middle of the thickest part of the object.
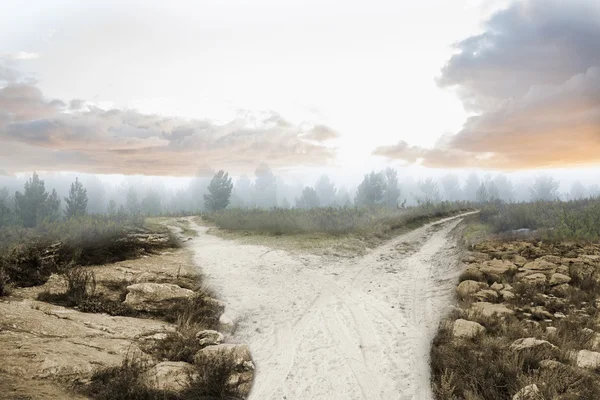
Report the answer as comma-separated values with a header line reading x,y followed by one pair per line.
x,y
533,77
49,135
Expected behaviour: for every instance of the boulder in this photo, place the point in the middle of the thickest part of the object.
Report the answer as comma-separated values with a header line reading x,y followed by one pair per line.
x,y
226,324
529,392
560,290
559,279
474,273
529,343
169,376
155,296
507,294
489,309
551,330
467,329
486,295
587,359
497,286
539,312
209,337
518,260
240,353
539,266
534,279
467,288
475,257
497,268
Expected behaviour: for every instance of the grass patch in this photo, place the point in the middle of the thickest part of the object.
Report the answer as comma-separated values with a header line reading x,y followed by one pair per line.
x,y
28,256
346,230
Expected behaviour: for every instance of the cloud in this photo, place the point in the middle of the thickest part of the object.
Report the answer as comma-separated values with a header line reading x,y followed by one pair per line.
x,y
42,134
533,79
321,133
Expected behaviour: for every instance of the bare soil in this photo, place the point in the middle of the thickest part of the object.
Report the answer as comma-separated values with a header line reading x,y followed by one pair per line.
x,y
325,326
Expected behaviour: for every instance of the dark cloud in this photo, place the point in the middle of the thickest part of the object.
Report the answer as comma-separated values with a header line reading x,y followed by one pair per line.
x,y
49,135
533,77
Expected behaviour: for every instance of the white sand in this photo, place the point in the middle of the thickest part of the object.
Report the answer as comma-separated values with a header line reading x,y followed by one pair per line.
x,y
336,329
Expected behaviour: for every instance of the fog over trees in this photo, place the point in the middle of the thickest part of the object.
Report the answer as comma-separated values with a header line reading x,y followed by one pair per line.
x,y
31,199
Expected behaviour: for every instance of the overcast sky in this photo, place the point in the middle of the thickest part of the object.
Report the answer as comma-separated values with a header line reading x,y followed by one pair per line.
x,y
168,88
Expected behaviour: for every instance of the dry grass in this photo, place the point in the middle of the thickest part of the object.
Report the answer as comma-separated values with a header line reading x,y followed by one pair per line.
x,y
484,367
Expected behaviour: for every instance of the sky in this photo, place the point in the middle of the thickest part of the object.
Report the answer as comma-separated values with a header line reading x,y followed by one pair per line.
x,y
173,88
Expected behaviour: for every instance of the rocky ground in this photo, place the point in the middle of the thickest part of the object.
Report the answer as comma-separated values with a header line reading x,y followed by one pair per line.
x,y
49,351
526,327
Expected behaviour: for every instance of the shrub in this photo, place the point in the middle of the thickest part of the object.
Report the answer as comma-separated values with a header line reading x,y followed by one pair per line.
x,y
4,282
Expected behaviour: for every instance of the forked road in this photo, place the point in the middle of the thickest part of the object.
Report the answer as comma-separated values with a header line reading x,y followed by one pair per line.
x,y
336,329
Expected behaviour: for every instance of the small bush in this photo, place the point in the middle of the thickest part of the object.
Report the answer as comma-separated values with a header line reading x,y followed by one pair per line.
x,y
211,375
125,381
4,282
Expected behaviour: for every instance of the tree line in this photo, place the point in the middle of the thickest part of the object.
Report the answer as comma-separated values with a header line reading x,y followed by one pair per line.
x,y
34,203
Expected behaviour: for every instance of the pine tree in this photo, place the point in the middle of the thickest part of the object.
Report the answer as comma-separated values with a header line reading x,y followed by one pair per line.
x,y
35,204
77,200
371,190
392,191
481,195
219,192
308,199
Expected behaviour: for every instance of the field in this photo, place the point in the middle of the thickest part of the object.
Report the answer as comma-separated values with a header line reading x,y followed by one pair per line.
x,y
337,231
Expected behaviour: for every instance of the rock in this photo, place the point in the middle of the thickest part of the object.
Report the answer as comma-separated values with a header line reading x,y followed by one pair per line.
x,y
559,279
588,359
534,279
474,273
551,330
497,267
226,324
507,286
489,309
507,294
497,286
240,353
539,312
529,343
169,375
551,259
551,364
467,288
518,260
539,266
529,392
209,337
467,329
155,296
486,295
559,315
560,290
475,257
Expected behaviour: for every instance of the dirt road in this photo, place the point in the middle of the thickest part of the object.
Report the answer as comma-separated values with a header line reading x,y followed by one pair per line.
x,y
336,329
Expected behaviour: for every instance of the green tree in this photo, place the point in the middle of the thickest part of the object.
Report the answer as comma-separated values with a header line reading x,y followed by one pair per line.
x,y
544,188
265,187
325,191
111,209
132,204
481,195
308,199
219,192
371,190
151,204
392,190
77,200
35,204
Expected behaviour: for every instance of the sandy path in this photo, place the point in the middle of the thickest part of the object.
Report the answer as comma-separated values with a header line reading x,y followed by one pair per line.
x,y
336,329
